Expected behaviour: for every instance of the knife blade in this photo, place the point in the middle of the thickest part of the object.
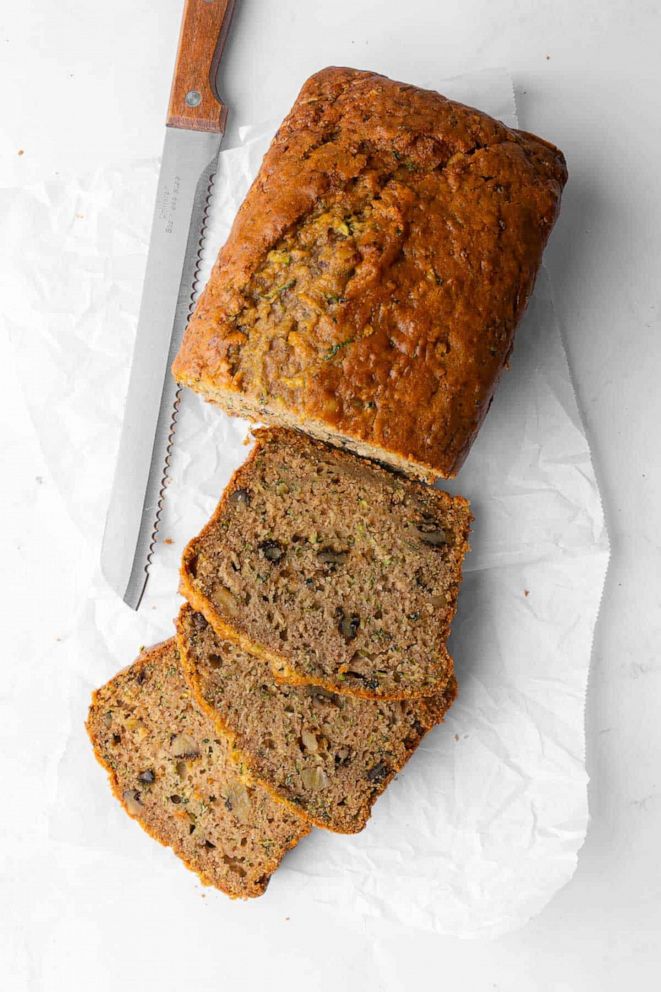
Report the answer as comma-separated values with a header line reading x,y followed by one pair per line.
x,y
195,126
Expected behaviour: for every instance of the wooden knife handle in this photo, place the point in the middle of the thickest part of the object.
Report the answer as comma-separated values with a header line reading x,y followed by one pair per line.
x,y
194,102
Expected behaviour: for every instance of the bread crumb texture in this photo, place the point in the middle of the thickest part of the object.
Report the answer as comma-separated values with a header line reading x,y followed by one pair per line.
x,y
327,756
341,573
174,773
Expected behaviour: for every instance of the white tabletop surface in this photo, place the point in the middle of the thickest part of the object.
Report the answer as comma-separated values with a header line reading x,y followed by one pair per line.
x,y
85,83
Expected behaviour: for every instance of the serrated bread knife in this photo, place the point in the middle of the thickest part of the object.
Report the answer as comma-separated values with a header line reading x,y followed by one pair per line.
x,y
195,126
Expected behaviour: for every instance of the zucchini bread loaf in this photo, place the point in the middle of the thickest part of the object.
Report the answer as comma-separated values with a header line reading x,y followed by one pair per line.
x,y
339,572
375,274
327,756
174,774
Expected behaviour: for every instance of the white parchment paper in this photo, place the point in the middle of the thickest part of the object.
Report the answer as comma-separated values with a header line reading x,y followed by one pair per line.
x,y
485,823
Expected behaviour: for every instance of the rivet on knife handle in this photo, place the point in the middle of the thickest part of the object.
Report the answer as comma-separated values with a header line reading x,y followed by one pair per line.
x,y
189,162
194,102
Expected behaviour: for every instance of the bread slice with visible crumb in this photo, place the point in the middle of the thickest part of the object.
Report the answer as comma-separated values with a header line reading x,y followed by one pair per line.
x,y
341,573
327,756
174,774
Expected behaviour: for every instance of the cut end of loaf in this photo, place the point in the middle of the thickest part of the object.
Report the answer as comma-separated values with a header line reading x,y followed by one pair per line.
x,y
238,404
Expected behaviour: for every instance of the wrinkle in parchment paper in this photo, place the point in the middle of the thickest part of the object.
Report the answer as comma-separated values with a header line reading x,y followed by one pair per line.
x,y
484,824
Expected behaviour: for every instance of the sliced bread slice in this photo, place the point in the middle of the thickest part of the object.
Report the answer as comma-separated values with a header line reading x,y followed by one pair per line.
x,y
341,573
326,756
174,774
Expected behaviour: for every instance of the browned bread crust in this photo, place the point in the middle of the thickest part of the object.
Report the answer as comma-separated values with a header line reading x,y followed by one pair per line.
x,y
175,775
375,274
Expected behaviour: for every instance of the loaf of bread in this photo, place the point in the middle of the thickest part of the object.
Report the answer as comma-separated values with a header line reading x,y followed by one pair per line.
x,y
339,572
326,756
375,274
174,774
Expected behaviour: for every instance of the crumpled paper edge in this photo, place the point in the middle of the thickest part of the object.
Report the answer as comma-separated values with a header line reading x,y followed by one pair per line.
x,y
602,590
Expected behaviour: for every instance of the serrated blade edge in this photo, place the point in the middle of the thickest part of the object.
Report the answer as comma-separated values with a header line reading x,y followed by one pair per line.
x,y
189,162
195,292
